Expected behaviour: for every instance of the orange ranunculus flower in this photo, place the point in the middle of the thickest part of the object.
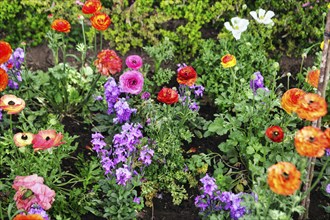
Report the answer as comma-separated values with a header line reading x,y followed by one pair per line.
x,y
275,133
3,79
91,6
310,142
327,134
289,101
283,178
313,78
11,104
187,76
108,62
228,60
168,96
61,25
23,139
46,139
5,51
28,217
311,107
100,21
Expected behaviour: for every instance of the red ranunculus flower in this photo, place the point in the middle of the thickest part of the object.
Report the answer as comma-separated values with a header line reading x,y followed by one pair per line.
x,y
61,25
289,101
91,6
46,139
100,21
108,62
168,96
275,133
187,76
5,51
3,79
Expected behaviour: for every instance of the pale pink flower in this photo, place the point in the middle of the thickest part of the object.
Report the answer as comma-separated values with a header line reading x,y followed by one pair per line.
x,y
134,62
131,82
31,190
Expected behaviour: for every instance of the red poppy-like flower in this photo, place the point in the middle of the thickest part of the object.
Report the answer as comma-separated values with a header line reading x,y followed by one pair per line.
x,y
311,142
5,51
108,62
28,217
168,96
61,25
228,60
100,21
289,101
283,178
313,78
91,6
23,139
311,106
46,139
3,79
187,76
11,104
275,133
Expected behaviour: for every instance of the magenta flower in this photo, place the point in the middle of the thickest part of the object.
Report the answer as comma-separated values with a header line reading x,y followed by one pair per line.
x,y
134,62
131,82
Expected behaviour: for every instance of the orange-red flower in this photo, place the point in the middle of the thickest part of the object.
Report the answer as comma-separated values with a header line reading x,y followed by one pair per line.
x,y
23,139
5,51
283,178
289,101
313,78
28,217
228,60
61,25
311,106
11,104
3,79
91,6
187,76
46,139
327,134
310,142
168,96
275,133
100,21
108,62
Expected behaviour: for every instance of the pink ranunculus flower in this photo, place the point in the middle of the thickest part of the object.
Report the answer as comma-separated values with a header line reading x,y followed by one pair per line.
x,y
134,62
131,82
31,190
46,139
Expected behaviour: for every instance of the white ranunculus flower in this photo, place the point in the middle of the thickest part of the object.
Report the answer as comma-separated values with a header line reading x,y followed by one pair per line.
x,y
263,17
237,26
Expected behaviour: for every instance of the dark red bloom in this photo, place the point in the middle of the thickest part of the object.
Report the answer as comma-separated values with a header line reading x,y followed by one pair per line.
x,y
168,96
91,6
187,76
61,25
5,51
275,133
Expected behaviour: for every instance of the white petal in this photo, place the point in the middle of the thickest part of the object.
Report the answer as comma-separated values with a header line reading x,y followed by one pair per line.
x,y
228,26
254,15
237,35
243,25
269,15
235,20
261,12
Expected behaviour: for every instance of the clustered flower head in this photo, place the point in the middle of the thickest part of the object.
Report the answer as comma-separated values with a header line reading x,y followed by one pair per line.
x,y
123,111
283,178
31,190
108,62
36,209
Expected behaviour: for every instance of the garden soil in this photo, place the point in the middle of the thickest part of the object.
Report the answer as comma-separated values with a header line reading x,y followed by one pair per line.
x,y
40,58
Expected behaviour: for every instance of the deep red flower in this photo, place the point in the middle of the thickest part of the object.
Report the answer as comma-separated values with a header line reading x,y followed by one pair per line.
x,y
275,133
168,96
100,21
91,6
3,79
187,76
5,51
61,25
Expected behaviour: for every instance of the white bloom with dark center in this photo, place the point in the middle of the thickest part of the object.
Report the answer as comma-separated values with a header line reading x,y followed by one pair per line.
x,y
237,26
263,17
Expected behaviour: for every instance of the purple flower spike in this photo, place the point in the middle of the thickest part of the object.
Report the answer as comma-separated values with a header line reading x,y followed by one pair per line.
x,y
131,82
257,82
36,209
134,62
123,175
208,184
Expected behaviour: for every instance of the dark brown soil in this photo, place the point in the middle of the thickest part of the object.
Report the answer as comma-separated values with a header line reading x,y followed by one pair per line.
x,y
40,58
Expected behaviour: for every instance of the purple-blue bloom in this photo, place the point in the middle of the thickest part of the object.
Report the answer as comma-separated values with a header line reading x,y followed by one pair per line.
x,y
194,106
198,90
123,111
145,155
137,200
111,93
327,150
327,189
123,175
145,95
257,82
208,184
36,209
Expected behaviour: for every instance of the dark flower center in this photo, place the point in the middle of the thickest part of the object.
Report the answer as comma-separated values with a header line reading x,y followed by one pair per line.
x,y
24,137
285,175
311,139
133,82
310,102
275,133
47,138
11,102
